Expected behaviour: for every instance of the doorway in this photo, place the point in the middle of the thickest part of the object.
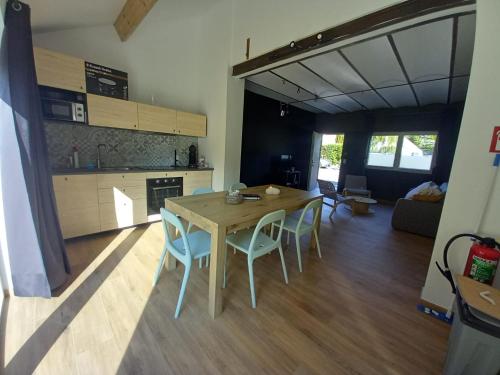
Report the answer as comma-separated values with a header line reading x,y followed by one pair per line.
x,y
330,160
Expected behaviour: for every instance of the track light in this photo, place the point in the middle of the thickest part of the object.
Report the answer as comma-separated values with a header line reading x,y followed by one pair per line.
x,y
319,36
292,44
283,109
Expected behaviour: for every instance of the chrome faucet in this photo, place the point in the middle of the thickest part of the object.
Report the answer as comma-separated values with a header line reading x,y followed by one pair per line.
x,y
99,153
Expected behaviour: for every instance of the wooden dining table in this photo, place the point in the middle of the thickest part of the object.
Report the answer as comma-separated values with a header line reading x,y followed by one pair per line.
x,y
211,213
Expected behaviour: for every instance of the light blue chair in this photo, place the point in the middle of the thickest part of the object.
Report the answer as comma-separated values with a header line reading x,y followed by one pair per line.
x,y
203,190
255,244
237,186
185,248
199,191
301,227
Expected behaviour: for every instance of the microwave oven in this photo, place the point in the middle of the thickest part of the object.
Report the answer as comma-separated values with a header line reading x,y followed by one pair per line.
x,y
63,105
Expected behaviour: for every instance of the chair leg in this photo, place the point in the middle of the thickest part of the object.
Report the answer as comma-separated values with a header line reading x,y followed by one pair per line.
x,y
207,261
250,278
185,279
317,242
200,263
272,231
288,238
297,245
285,274
160,266
224,281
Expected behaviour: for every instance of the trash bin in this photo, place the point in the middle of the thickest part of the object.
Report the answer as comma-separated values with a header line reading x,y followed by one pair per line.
x,y
474,342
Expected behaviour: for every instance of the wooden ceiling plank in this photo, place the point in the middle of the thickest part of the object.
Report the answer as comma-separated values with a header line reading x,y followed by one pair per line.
x,y
131,15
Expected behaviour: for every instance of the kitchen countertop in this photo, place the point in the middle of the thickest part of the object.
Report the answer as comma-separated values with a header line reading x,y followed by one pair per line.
x,y
68,171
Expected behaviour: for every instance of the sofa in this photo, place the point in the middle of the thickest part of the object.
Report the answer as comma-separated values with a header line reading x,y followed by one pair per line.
x,y
417,217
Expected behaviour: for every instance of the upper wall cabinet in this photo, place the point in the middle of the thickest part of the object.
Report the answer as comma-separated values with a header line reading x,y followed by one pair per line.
x,y
57,70
156,119
191,124
110,112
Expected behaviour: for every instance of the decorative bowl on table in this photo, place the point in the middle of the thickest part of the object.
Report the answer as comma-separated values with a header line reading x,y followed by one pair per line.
x,y
234,197
271,190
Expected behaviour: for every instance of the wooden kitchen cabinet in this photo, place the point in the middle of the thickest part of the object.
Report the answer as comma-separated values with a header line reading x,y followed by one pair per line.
x,y
55,69
77,204
191,124
196,179
92,203
122,200
156,119
111,112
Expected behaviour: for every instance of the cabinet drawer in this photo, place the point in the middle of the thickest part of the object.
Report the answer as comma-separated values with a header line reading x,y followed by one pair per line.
x,y
123,194
79,222
110,180
75,191
55,69
111,112
135,179
122,214
156,119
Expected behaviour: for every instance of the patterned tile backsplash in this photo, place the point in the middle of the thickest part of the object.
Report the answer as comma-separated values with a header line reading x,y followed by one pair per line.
x,y
128,148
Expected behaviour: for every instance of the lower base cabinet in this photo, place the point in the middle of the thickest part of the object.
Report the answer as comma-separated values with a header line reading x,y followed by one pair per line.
x,y
93,203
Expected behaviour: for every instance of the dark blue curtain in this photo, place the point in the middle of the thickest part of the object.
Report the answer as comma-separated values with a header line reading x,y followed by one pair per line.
x,y
30,136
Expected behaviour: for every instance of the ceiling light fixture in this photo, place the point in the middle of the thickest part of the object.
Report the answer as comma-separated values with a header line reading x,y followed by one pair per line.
x,y
282,110
319,36
292,44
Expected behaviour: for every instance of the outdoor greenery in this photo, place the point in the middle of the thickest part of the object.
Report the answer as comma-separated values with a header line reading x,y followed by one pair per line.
x,y
384,144
332,153
425,142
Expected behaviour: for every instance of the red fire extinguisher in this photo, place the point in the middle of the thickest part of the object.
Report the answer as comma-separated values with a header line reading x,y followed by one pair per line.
x,y
482,262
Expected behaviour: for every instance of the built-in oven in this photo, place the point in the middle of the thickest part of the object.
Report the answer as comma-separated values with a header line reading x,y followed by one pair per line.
x,y
158,189
63,105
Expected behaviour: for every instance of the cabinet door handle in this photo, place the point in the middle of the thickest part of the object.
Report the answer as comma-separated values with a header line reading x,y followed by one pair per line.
x,y
65,178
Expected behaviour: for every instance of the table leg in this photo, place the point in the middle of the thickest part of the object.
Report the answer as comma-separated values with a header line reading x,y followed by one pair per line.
x,y
217,254
170,261
318,226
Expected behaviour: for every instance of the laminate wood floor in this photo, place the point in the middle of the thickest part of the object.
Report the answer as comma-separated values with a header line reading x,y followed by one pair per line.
x,y
352,312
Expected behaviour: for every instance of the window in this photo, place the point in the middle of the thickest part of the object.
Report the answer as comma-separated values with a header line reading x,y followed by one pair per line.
x,y
404,151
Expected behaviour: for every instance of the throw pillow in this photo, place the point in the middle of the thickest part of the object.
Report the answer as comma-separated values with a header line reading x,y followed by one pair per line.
x,y
420,189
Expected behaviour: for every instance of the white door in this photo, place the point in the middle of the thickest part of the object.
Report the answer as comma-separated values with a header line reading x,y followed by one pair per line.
x,y
314,162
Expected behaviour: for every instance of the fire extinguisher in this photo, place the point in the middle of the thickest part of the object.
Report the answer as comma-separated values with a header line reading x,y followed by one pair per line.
x,y
482,262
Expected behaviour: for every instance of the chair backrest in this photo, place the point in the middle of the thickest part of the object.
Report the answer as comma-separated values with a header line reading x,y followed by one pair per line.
x,y
184,255
355,182
314,206
237,186
203,190
327,188
270,218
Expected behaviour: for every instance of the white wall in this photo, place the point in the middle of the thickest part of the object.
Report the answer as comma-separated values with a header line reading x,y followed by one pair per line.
x,y
161,57
472,174
272,24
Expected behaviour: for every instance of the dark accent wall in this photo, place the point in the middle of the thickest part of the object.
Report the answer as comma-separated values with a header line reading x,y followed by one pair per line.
x,y
267,136
358,127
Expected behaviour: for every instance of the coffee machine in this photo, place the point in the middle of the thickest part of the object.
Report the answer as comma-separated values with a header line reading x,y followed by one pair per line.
x,y
193,156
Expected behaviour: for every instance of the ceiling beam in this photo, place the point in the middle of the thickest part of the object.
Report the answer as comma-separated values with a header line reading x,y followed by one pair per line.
x,y
401,65
385,17
131,15
452,59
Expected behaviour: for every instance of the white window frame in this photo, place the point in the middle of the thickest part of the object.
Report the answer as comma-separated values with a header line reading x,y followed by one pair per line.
x,y
399,146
